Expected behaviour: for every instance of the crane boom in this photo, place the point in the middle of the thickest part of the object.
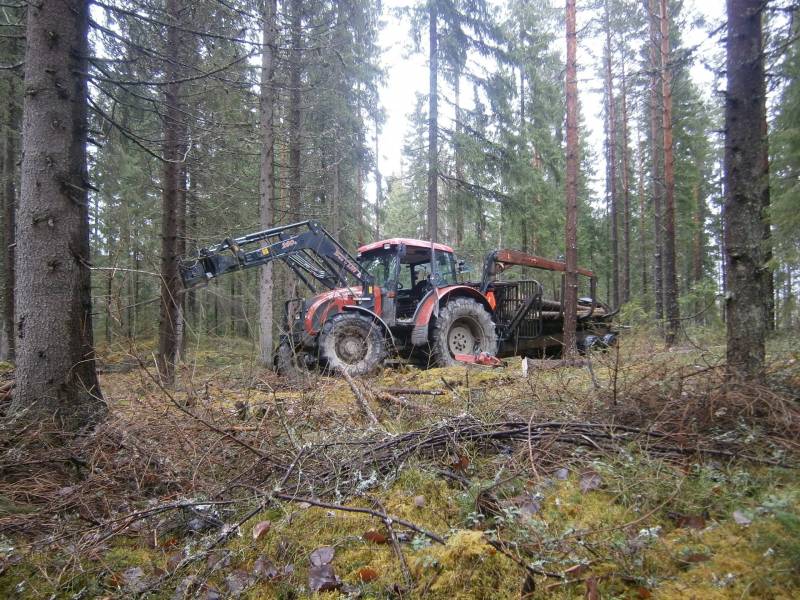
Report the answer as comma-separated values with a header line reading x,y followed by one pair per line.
x,y
306,247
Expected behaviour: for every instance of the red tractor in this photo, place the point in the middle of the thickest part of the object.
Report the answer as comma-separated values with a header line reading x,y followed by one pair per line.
x,y
402,297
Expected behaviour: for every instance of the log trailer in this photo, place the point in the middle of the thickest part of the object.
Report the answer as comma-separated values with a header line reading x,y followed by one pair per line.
x,y
402,297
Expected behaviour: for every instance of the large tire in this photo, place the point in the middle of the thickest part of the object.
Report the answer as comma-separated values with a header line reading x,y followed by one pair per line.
x,y
353,343
462,327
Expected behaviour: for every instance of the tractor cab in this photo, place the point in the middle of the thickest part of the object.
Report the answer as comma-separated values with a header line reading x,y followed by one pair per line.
x,y
406,270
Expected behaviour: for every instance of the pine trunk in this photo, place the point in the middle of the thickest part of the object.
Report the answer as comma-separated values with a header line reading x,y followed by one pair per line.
x,y
170,182
611,157
746,190
571,232
267,180
669,266
643,228
295,115
433,126
55,375
626,194
10,212
656,156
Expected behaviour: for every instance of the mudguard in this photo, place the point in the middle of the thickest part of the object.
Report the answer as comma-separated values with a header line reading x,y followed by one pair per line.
x,y
429,307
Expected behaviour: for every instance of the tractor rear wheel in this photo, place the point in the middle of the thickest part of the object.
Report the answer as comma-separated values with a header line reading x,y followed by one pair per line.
x,y
462,327
352,343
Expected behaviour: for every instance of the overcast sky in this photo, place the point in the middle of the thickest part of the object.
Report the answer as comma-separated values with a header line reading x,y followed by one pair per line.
x,y
407,75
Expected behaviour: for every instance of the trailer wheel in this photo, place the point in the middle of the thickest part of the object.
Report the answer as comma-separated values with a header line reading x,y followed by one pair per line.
x,y
462,327
352,343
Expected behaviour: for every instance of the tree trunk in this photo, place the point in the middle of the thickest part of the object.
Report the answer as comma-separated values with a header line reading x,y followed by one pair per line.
x,y
170,183
295,115
670,274
626,194
433,126
656,156
746,190
267,180
611,157
458,157
378,184
570,299
10,211
55,375
642,227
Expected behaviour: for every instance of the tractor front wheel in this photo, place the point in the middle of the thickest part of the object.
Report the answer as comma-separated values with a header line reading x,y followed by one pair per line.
x,y
462,327
352,343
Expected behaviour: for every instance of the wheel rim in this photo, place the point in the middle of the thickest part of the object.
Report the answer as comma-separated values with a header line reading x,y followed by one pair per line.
x,y
463,337
351,345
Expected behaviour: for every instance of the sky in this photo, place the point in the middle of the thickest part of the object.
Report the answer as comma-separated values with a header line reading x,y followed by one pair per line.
x,y
407,75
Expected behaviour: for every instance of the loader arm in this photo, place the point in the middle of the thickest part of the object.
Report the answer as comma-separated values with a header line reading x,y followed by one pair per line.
x,y
306,248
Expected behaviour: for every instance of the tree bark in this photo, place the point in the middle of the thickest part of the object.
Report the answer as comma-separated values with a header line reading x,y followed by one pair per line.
x,y
267,180
458,158
670,271
642,227
169,328
10,155
656,156
571,230
746,190
626,193
295,115
433,125
611,157
378,183
55,375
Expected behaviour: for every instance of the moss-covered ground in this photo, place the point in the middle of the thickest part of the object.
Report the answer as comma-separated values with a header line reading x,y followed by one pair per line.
x,y
543,521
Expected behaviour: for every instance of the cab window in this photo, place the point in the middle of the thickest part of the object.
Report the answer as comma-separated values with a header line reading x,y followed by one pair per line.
x,y
445,268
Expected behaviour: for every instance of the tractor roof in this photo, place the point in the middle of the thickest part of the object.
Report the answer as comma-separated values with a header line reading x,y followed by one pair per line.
x,y
409,242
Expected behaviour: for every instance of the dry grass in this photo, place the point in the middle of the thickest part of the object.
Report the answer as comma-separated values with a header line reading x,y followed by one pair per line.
x,y
80,515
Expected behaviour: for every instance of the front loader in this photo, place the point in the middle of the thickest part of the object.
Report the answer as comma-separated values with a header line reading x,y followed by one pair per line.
x,y
401,297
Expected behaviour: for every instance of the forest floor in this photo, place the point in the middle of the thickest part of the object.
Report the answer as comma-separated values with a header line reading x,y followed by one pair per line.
x,y
639,473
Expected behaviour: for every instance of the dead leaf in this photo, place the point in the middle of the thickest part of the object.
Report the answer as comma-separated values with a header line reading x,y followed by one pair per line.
x,y
367,574
174,560
460,462
690,522
643,593
530,507
322,556
419,501
321,578
528,586
186,588
211,593
376,537
261,528
264,568
695,557
741,519
592,591
133,579
237,582
590,480
219,559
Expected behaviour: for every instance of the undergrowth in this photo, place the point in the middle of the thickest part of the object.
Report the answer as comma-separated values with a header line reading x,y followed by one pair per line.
x,y
549,519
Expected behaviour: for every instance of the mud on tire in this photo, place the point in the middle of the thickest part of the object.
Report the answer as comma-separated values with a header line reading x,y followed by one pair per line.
x,y
462,327
353,343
